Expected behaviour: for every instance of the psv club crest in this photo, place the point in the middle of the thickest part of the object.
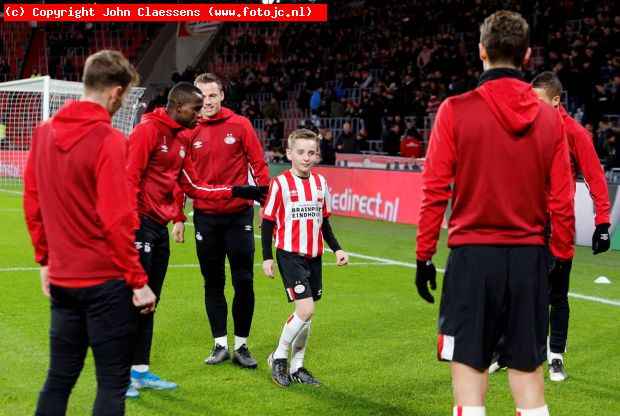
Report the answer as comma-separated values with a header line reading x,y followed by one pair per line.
x,y
230,139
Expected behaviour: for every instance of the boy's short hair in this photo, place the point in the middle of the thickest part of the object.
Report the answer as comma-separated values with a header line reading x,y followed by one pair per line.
x,y
506,37
549,82
108,68
302,134
209,77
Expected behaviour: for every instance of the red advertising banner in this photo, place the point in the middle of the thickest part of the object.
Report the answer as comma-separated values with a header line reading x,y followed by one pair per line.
x,y
387,195
13,162
165,12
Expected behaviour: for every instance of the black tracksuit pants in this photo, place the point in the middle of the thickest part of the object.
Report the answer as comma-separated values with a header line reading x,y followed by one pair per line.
x,y
153,244
104,318
218,237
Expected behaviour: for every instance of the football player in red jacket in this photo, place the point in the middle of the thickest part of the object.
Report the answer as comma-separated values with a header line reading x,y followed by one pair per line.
x,y
501,156
79,212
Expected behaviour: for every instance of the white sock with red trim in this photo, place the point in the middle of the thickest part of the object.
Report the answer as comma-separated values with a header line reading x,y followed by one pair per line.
x,y
298,348
539,411
469,411
291,328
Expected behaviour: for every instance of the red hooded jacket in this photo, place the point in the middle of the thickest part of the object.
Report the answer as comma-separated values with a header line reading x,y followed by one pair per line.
x,y
157,162
77,199
584,158
506,154
222,148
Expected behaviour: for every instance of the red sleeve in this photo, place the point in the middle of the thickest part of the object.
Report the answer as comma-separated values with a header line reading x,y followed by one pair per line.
x,y
114,209
196,189
273,202
593,174
142,140
562,200
179,202
254,153
438,175
32,209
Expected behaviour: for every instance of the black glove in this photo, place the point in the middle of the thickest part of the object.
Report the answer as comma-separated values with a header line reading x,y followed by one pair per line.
x,y
600,239
425,273
560,272
257,193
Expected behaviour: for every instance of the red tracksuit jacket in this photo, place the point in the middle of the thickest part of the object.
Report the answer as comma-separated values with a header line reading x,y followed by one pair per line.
x,y
157,162
506,153
221,149
78,202
584,159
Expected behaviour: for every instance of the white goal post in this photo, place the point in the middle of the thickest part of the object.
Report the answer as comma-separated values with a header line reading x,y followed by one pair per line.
x,y
27,102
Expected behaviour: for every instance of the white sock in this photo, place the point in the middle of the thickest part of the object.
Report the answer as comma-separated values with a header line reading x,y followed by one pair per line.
x,y
140,368
555,356
298,348
223,341
239,342
468,411
291,328
539,411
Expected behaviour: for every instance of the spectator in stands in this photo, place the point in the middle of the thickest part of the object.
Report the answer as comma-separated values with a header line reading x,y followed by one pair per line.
x,y
347,140
612,145
315,100
36,72
391,140
337,109
412,131
67,69
271,109
5,70
159,101
326,149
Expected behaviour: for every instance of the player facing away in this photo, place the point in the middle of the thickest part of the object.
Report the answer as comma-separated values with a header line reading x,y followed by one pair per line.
x,y
548,88
79,214
297,213
157,163
223,148
501,156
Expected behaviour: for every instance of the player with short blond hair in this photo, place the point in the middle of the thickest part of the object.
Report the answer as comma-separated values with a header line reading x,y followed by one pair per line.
x,y
296,213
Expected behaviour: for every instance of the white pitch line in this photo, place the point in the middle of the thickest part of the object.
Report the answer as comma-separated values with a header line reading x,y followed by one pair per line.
x,y
8,191
381,262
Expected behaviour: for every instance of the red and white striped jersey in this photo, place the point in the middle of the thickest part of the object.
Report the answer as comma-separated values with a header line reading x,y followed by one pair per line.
x,y
298,206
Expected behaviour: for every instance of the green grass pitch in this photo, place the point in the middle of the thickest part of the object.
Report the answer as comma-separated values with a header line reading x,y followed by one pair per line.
x,y
373,341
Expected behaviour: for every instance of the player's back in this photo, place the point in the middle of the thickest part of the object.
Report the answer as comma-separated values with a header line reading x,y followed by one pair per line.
x,y
67,158
505,140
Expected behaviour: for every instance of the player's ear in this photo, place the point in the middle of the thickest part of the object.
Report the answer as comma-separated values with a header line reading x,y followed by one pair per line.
x,y
482,52
289,155
556,101
526,58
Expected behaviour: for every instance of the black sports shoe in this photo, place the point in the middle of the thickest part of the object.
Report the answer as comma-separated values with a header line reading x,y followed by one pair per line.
x,y
242,357
304,376
556,370
218,355
279,371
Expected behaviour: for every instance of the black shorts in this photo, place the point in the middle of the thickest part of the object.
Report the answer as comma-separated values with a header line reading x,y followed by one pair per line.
x,y
302,276
489,292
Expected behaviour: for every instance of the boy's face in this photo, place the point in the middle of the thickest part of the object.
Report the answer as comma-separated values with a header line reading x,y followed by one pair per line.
x,y
302,155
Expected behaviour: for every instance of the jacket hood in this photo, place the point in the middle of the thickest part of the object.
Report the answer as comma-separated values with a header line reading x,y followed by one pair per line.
x,y
223,115
160,115
513,103
75,120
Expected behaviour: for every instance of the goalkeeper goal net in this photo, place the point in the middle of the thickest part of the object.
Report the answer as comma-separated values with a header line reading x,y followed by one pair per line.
x,y
25,103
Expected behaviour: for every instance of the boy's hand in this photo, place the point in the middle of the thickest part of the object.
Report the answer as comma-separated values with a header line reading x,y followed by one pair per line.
x,y
268,268
342,258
